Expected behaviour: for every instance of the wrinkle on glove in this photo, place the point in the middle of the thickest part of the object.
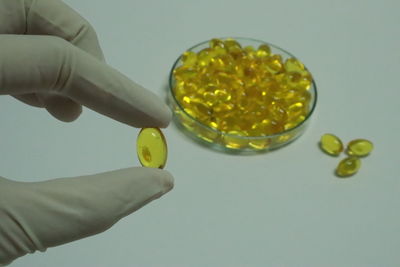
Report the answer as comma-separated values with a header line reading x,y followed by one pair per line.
x,y
36,216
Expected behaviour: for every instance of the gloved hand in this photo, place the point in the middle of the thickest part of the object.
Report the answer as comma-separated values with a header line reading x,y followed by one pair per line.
x,y
50,58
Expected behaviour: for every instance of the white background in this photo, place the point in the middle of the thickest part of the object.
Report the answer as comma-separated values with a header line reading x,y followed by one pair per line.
x,y
283,208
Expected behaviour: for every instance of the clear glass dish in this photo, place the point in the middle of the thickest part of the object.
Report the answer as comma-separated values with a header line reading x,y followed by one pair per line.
x,y
227,142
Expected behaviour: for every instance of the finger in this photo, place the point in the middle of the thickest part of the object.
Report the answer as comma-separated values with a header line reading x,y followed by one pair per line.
x,y
60,107
70,72
51,213
30,99
48,17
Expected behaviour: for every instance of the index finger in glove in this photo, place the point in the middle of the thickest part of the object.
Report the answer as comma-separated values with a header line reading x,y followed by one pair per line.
x,y
50,17
48,64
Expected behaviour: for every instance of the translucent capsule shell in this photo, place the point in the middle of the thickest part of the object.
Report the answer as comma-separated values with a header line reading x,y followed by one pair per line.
x,y
348,167
331,144
359,147
151,148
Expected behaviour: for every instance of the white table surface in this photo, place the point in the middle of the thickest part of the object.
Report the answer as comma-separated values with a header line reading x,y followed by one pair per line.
x,y
284,208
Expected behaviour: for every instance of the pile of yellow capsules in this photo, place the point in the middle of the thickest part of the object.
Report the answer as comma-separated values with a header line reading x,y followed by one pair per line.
x,y
243,91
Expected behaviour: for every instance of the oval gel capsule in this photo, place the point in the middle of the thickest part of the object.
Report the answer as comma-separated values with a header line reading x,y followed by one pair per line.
x,y
151,148
359,147
331,144
348,167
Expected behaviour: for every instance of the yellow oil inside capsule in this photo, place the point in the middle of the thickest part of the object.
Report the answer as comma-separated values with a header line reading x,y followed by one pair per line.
x,y
151,148
359,147
331,144
348,166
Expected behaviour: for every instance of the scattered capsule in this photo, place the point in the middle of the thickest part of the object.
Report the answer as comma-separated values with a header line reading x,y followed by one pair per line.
x,y
331,144
359,147
151,148
348,166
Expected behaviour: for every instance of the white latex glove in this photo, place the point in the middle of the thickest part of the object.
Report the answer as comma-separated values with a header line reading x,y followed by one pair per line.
x,y
50,57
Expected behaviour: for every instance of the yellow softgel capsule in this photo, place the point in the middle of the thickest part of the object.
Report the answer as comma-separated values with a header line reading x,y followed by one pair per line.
x,y
294,65
331,144
216,43
359,147
348,166
189,58
263,50
151,148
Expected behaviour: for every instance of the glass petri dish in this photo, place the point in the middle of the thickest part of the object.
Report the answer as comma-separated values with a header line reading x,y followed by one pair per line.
x,y
226,141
